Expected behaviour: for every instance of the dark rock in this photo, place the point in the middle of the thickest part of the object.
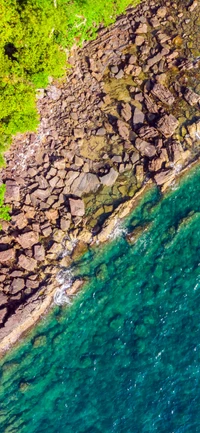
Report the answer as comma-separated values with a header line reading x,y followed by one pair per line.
x,y
167,125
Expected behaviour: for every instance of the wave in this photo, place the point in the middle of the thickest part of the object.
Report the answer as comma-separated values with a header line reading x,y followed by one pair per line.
x,y
65,278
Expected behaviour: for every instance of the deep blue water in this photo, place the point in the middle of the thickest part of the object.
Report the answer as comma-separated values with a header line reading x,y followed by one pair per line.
x,y
125,357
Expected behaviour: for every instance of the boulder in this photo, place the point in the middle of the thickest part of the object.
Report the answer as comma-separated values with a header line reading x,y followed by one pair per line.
x,y
7,255
2,314
167,125
141,29
110,178
85,183
138,117
163,94
139,40
126,112
164,177
194,130
147,132
17,285
39,252
28,239
12,192
77,207
101,132
27,262
191,97
123,129
145,148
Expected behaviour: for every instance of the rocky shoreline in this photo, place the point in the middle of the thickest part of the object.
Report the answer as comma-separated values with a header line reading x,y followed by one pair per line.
x,y
125,117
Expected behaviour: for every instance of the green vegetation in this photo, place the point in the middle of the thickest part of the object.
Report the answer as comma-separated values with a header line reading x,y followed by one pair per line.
x,y
4,210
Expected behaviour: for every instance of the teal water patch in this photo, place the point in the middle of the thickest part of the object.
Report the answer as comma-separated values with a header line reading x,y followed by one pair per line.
x,y
125,357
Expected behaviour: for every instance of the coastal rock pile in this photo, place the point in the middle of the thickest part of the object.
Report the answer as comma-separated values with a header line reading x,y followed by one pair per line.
x,y
127,113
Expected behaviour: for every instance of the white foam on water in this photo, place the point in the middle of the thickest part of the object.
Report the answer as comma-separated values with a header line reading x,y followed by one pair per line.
x,y
118,230
65,278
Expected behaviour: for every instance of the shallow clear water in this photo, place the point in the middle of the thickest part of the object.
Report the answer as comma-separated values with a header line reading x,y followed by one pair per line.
x,y
126,356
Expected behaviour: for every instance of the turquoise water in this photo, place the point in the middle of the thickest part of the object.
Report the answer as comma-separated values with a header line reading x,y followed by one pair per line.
x,y
126,356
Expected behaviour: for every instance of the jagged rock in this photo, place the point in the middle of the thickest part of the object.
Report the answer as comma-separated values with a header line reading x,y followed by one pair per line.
x,y
17,285
40,194
152,107
3,298
163,94
120,74
126,112
157,163
147,132
2,314
161,12
139,172
12,192
136,70
141,29
39,252
79,132
7,255
139,40
191,97
27,262
123,130
193,6
114,69
194,130
28,239
145,148
65,224
135,157
138,117
85,183
101,132
20,220
164,177
156,59
77,207
167,125
110,178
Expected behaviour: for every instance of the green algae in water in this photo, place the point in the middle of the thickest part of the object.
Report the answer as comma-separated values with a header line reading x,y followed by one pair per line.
x,y
125,357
